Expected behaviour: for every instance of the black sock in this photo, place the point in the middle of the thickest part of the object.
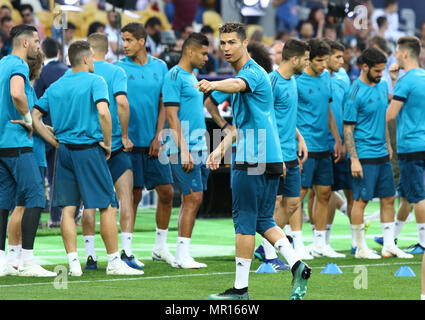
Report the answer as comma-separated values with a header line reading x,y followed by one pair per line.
x,y
29,227
4,215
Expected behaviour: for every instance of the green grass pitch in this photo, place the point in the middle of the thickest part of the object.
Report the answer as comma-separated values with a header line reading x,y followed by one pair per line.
x,y
213,243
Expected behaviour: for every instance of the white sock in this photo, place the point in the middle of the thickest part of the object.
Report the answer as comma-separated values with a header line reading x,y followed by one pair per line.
x,y
328,233
161,238
89,246
27,255
73,260
113,259
2,257
288,230
359,235
319,238
242,272
353,237
398,225
13,252
126,239
388,233
422,296
344,208
269,250
182,248
421,233
297,237
285,248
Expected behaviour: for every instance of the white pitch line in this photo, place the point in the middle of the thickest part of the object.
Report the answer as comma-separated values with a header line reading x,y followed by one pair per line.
x,y
193,275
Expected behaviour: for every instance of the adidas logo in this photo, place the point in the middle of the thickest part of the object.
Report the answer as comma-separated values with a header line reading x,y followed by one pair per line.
x,y
240,264
370,101
129,238
75,259
422,229
386,228
310,91
12,250
131,77
319,235
87,241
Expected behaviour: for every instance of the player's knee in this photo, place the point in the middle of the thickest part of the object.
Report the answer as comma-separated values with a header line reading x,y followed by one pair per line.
x,y
137,195
166,194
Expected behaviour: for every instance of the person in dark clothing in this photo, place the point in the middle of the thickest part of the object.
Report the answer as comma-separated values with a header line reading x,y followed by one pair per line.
x,y
52,70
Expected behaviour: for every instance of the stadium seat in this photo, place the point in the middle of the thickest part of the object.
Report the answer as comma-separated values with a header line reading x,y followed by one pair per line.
x,y
77,19
46,19
251,28
212,19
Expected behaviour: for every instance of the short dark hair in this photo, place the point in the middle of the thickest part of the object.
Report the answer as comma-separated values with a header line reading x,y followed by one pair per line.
x,y
20,29
183,27
50,47
390,2
318,48
412,44
334,45
231,27
71,26
77,51
371,57
5,7
382,44
5,19
206,29
381,20
26,6
195,39
94,26
152,22
260,54
136,29
294,48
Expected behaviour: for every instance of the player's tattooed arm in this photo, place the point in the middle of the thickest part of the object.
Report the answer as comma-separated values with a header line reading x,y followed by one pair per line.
x,y
356,167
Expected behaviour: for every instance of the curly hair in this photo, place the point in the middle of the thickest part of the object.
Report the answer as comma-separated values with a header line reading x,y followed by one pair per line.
x,y
260,54
35,65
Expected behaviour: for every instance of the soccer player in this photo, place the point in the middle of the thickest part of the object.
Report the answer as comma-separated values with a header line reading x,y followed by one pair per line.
x,y
314,120
78,105
257,51
19,174
119,163
187,144
14,225
151,170
340,83
407,108
258,166
295,57
367,140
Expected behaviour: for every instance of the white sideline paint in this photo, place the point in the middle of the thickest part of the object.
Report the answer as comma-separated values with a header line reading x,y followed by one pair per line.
x,y
192,275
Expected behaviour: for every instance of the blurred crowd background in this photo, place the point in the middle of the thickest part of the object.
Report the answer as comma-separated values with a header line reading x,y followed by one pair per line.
x,y
270,22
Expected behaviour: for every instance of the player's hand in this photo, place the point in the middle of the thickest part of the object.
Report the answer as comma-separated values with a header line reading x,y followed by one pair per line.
x,y
106,148
337,152
205,86
394,70
154,147
284,170
356,169
214,159
302,150
127,144
300,164
50,128
187,161
27,127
